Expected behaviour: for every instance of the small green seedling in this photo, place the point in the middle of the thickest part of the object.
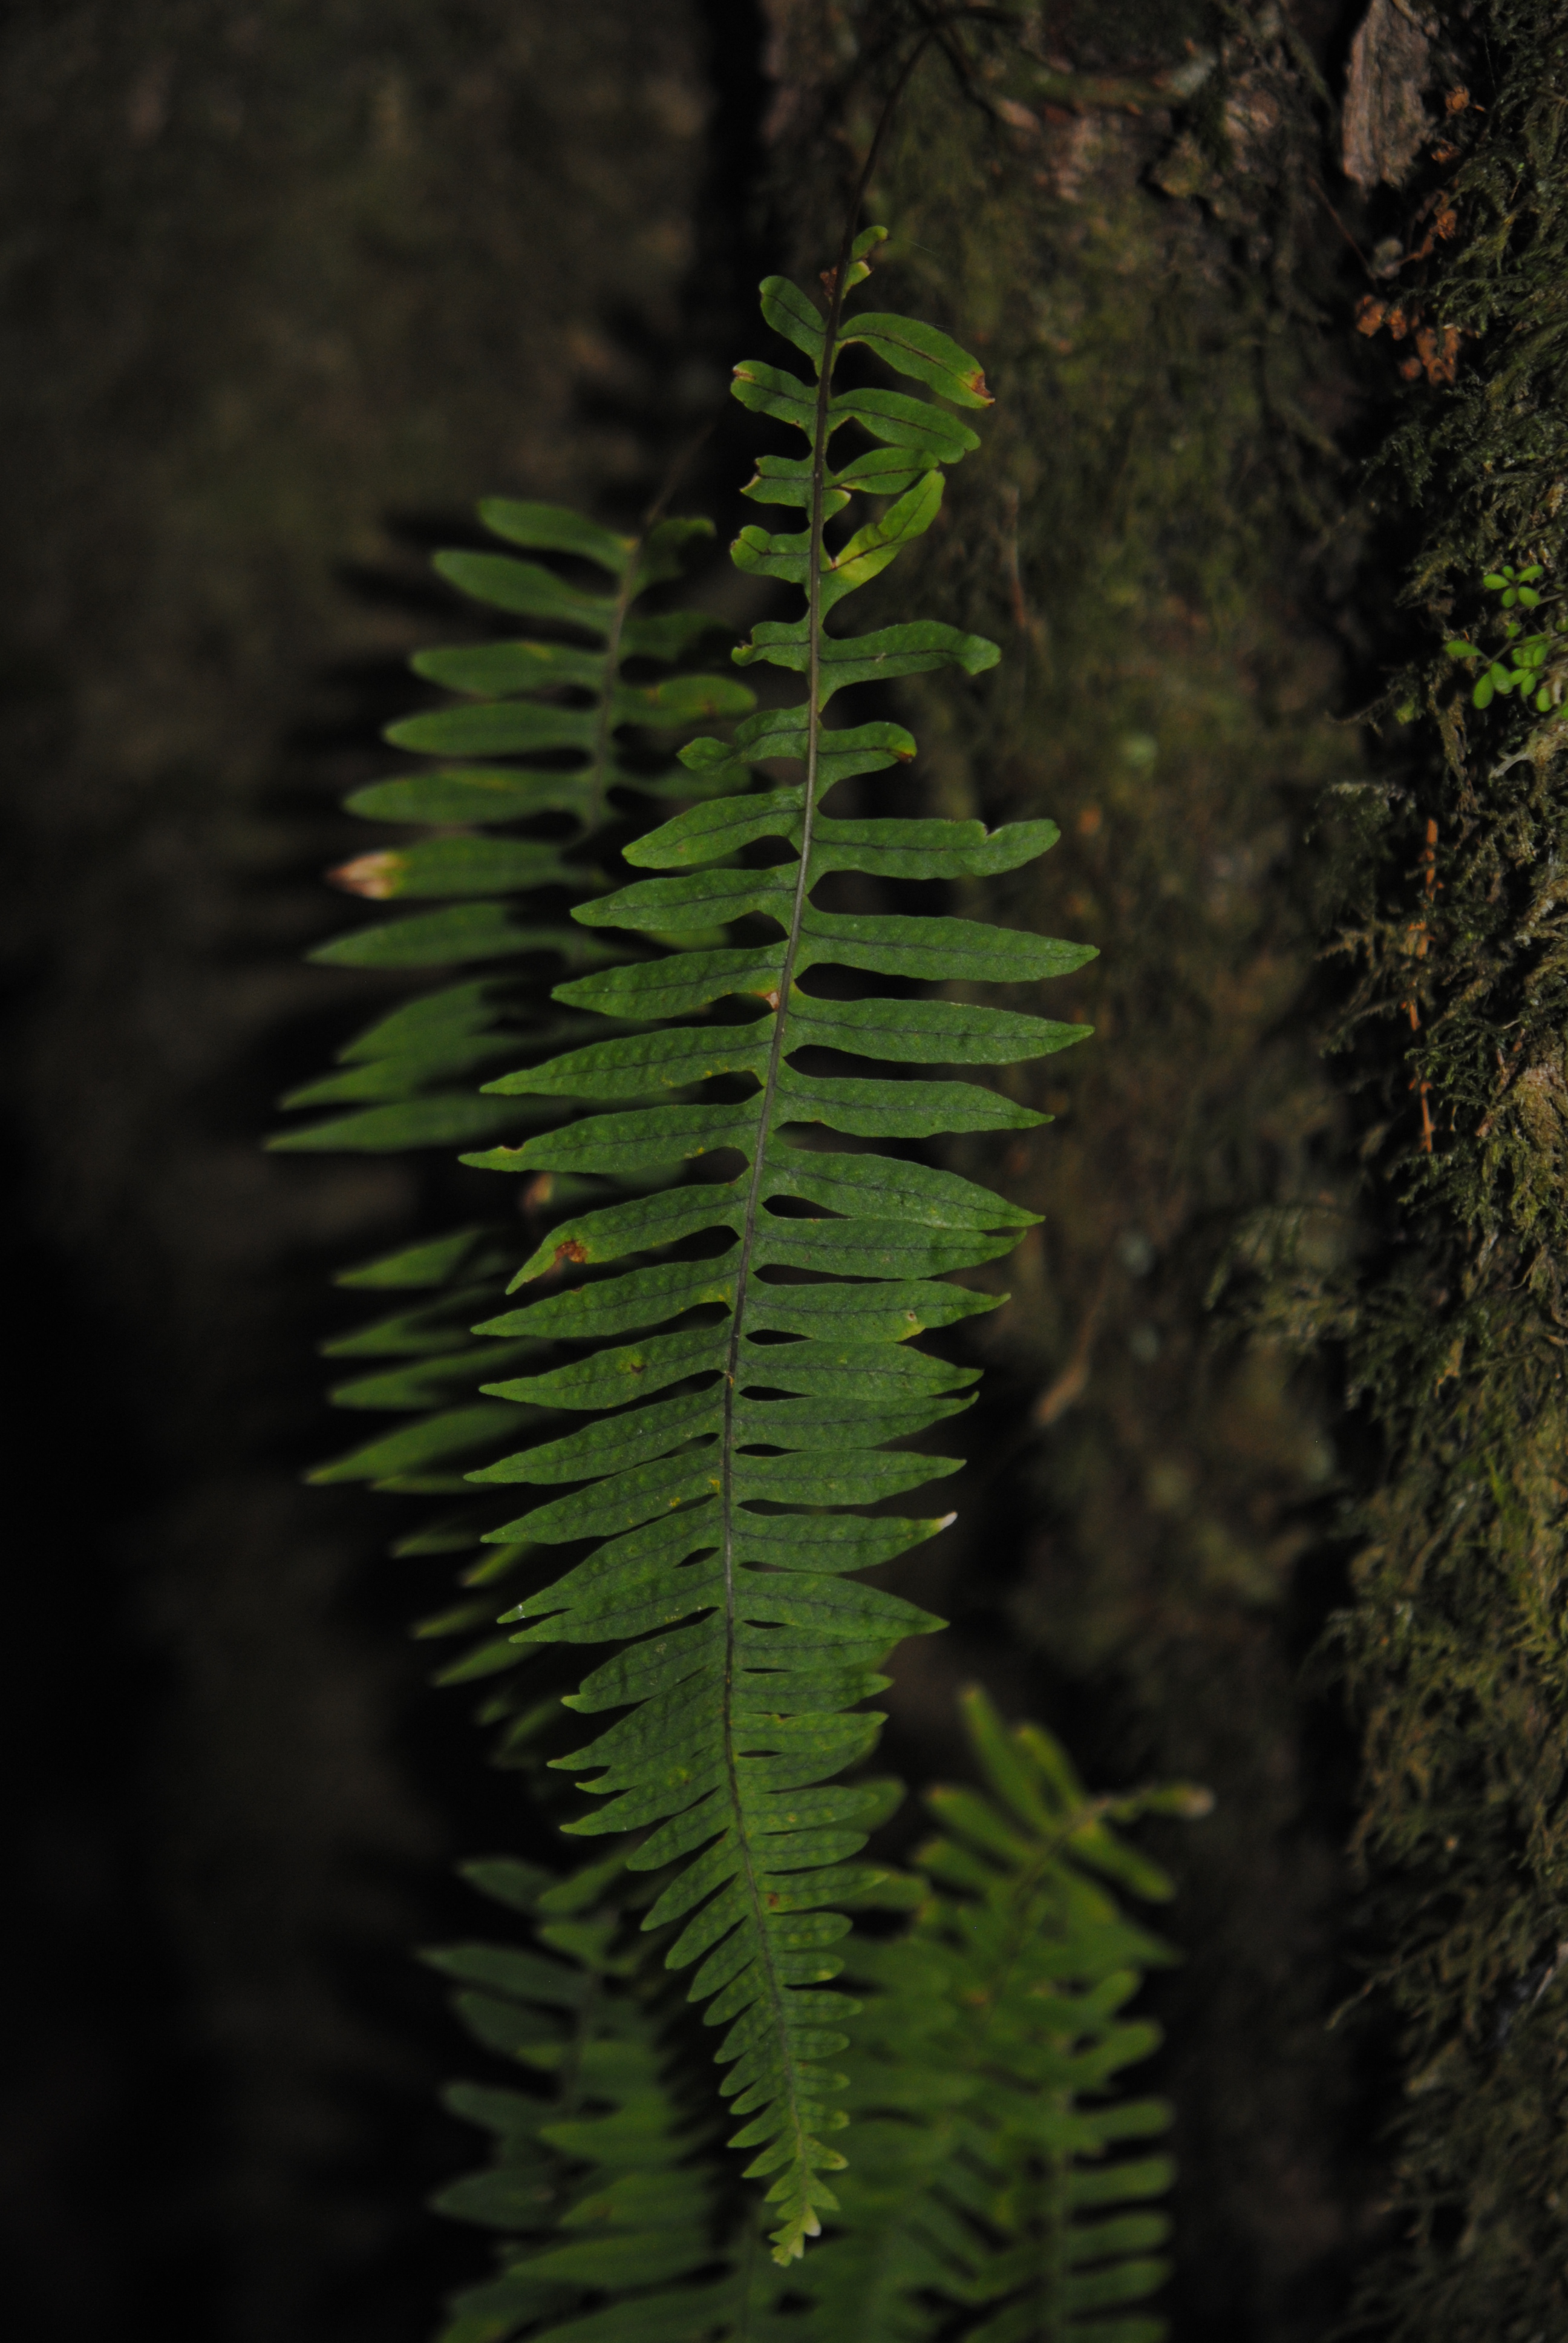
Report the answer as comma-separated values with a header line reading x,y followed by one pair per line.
x,y
1526,654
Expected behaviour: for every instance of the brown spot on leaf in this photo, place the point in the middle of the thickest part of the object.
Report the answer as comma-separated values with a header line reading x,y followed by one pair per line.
x,y
573,1250
375,876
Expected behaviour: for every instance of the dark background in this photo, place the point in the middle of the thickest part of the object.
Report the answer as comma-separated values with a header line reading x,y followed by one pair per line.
x,y
286,287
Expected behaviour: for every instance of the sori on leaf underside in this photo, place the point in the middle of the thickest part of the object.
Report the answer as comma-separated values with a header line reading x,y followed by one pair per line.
x,y
742,1342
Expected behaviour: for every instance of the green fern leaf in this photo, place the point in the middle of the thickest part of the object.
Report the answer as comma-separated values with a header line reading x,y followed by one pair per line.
x,y
991,2197
730,1545
409,1081
411,1073
601,2184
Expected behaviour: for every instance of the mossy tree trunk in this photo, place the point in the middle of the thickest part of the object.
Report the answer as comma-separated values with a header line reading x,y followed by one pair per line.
x,y
1297,1301
1455,1327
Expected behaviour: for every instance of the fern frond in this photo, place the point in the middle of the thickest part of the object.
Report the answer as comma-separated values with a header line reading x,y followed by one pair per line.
x,y
497,860
600,2183
776,1320
989,2197
509,847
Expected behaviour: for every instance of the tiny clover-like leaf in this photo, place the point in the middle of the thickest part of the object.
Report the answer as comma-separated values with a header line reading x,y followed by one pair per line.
x,y
1514,586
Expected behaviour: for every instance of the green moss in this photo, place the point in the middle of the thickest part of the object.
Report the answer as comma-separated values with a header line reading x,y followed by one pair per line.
x,y
1456,1333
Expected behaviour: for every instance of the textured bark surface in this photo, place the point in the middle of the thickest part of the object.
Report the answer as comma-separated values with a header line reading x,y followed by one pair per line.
x,y
1454,926
1139,1555
1385,120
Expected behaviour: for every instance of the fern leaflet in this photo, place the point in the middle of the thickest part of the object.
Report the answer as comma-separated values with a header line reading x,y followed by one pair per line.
x,y
599,2182
494,859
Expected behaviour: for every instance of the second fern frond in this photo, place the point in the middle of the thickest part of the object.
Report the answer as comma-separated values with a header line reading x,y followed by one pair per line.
x,y
990,2197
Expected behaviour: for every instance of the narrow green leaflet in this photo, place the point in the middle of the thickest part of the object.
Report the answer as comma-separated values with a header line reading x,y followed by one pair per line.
x,y
743,1323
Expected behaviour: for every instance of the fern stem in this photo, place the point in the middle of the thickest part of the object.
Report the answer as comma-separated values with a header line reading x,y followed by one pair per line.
x,y
814,552
1050,2274
630,588
814,556
604,724
572,2083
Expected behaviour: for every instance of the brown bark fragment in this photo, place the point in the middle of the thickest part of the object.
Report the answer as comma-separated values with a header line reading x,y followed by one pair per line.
x,y
1385,122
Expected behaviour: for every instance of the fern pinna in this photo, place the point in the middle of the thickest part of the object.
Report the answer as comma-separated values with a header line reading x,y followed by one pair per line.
x,y
774,1324
988,2198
